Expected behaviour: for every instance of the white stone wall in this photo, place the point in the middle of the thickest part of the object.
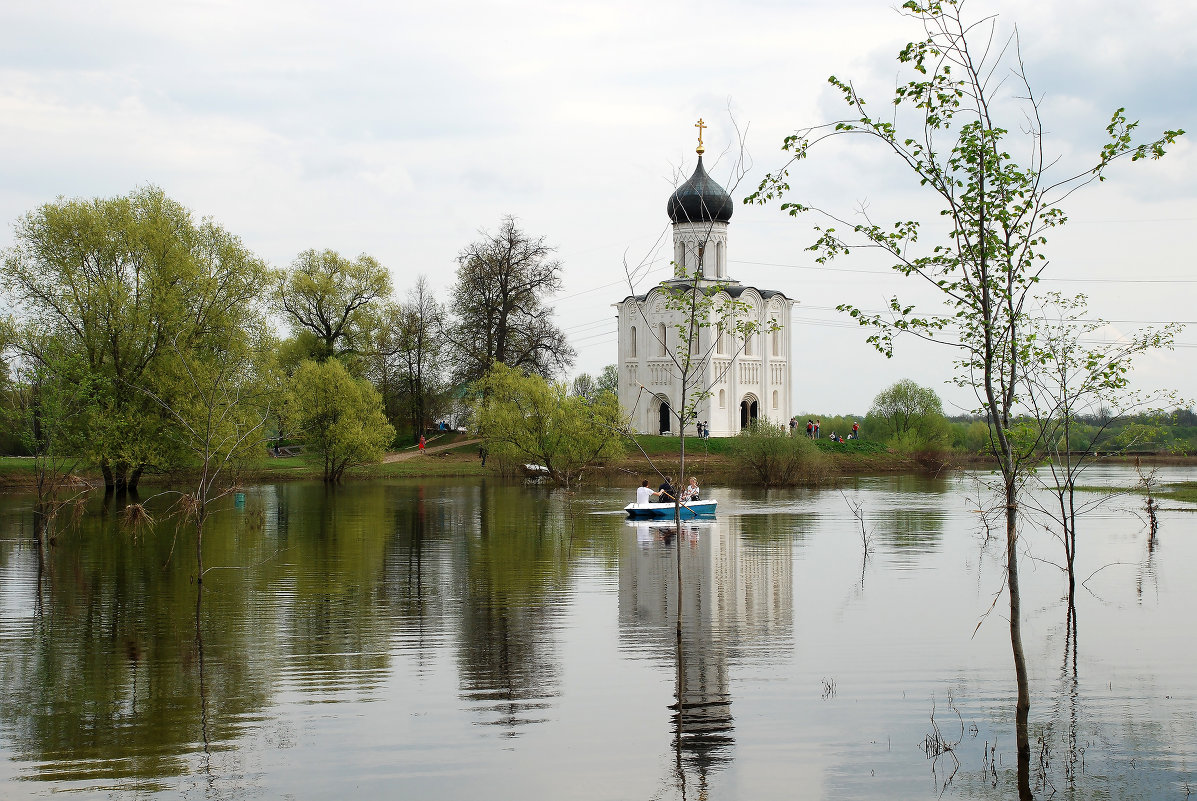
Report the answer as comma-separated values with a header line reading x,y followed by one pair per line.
x,y
762,371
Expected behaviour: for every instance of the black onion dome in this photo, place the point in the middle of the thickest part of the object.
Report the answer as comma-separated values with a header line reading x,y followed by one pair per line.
x,y
700,199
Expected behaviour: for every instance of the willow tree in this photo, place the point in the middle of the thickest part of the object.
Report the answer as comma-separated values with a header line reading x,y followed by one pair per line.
x,y
339,417
118,284
525,418
948,128
326,299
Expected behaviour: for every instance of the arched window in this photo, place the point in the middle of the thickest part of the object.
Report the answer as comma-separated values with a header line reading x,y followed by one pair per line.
x,y
721,343
748,344
632,342
664,350
774,399
722,399
694,342
776,337
720,268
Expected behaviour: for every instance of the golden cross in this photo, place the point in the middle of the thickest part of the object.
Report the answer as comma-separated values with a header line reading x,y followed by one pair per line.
x,y
700,125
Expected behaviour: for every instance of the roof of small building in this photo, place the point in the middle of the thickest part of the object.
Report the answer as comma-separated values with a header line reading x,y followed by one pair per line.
x,y
734,290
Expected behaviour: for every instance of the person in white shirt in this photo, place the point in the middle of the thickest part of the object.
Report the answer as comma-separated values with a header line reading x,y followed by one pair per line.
x,y
691,492
644,495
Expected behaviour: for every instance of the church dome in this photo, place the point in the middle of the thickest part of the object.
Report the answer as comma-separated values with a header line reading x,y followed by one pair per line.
x,y
699,200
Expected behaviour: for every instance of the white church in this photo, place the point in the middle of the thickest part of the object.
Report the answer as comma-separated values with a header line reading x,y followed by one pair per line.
x,y
746,379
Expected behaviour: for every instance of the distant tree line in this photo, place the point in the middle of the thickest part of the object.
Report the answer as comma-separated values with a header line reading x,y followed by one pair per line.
x,y
908,418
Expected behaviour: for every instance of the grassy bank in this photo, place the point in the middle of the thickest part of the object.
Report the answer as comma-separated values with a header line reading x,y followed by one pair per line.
x,y
709,460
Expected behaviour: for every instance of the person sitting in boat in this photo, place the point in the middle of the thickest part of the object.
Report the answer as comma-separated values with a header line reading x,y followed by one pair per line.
x,y
691,492
667,492
644,495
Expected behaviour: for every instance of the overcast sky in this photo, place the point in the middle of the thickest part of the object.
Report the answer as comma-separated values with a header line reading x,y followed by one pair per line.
x,y
401,129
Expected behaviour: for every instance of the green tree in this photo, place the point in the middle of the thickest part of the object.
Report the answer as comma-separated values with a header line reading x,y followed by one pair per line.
x,y
908,416
340,417
591,387
327,297
777,459
499,306
49,396
523,417
422,352
998,212
120,283
608,379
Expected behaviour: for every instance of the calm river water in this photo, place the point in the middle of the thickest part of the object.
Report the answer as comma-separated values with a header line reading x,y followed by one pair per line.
x,y
484,640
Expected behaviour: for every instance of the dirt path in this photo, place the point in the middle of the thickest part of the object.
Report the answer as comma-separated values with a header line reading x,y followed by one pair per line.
x,y
403,456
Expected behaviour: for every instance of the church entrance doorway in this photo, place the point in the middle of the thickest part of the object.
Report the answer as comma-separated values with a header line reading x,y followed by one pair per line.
x,y
663,416
748,411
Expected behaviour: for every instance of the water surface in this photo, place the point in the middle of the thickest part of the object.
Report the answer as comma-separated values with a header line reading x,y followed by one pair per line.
x,y
485,640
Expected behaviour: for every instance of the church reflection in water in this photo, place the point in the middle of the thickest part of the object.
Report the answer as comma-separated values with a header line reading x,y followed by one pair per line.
x,y
736,598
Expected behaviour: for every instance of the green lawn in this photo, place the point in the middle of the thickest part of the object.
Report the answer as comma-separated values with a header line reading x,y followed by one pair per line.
x,y
850,446
668,446
17,463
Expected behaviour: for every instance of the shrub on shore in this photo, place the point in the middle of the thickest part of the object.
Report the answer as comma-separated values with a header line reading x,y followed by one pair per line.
x,y
777,458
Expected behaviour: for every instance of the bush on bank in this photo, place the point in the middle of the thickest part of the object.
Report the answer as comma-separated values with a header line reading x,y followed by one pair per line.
x,y
777,458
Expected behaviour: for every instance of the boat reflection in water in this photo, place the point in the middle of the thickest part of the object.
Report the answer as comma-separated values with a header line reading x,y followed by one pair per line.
x,y
699,607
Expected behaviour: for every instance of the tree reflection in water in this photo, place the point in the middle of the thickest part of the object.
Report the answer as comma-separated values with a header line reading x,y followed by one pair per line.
x,y
107,685
450,617
515,563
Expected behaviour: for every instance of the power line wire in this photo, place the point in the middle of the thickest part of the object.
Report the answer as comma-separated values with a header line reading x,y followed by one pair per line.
x,y
825,268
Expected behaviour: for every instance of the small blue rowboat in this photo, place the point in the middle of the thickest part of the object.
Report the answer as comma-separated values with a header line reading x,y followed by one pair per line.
x,y
662,511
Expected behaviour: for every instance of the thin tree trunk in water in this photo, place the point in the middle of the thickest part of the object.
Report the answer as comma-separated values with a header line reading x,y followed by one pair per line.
x,y
109,479
199,556
1022,707
203,691
40,524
